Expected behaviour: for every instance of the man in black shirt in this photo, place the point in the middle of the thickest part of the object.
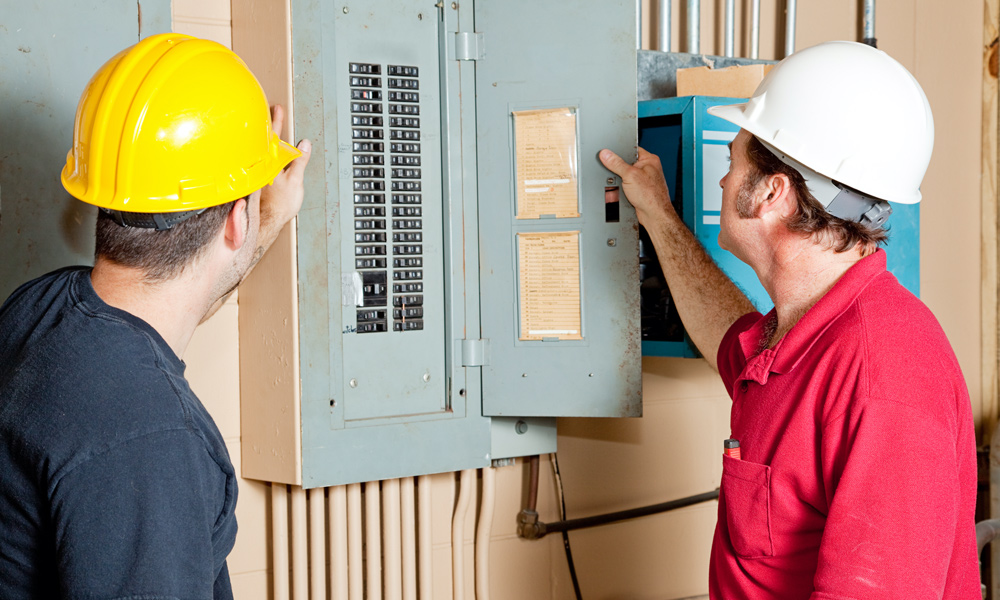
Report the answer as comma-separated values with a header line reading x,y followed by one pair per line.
x,y
114,480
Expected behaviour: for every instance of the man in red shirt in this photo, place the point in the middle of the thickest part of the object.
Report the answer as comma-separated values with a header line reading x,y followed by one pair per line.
x,y
857,476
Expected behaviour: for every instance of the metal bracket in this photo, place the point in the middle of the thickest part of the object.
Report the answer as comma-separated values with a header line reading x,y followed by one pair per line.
x,y
469,46
474,353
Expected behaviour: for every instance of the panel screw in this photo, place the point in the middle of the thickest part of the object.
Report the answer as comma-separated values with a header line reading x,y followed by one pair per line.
x,y
333,403
524,374
346,10
611,180
591,375
454,5
612,242
353,383
427,377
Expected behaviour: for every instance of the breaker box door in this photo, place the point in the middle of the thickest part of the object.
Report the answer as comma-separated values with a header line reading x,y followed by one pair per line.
x,y
559,272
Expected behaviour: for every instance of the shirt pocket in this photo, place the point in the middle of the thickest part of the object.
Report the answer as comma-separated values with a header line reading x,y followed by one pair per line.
x,y
746,487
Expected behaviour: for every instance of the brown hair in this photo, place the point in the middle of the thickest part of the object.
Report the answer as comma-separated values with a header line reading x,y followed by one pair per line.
x,y
160,254
810,218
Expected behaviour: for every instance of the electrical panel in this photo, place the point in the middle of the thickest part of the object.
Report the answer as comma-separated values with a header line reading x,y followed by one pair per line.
x,y
693,148
453,283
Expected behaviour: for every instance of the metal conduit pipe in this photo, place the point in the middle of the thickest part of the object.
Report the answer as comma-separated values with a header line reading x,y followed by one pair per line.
x,y
373,542
279,536
869,16
694,26
638,24
467,480
730,49
392,549
317,542
408,507
300,545
789,27
664,28
539,530
484,532
425,568
755,29
337,520
355,544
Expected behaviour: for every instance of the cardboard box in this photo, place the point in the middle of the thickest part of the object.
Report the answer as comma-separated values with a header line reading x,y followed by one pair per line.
x,y
738,81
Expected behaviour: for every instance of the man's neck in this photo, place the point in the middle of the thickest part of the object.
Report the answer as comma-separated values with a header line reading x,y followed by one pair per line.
x,y
173,307
797,276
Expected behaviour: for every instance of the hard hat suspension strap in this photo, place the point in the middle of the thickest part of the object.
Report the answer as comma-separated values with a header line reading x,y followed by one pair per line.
x,y
157,221
852,205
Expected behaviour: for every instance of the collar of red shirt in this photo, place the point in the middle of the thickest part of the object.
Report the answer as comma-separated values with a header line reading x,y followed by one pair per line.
x,y
790,350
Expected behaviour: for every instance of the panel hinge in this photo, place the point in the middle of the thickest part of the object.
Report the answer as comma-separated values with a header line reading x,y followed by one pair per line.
x,y
469,46
474,353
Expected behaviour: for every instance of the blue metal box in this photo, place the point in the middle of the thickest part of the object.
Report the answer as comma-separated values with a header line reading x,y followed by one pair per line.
x,y
693,148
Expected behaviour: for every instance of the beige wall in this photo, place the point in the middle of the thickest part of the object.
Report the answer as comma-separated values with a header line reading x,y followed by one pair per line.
x,y
673,450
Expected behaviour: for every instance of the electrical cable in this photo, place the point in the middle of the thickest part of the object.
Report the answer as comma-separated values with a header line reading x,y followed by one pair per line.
x,y
565,534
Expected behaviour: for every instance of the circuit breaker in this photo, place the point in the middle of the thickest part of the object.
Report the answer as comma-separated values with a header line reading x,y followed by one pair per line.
x,y
693,148
453,283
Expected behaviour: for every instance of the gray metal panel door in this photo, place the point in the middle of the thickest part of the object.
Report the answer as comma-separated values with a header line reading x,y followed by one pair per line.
x,y
554,55
50,50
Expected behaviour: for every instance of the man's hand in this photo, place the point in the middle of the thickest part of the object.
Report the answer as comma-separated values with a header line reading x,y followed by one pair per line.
x,y
708,302
281,201
643,184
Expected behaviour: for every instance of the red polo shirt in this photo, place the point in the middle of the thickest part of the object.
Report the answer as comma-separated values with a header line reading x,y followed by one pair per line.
x,y
858,470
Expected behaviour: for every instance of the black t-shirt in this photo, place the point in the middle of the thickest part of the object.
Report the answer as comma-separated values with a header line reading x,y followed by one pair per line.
x,y
114,480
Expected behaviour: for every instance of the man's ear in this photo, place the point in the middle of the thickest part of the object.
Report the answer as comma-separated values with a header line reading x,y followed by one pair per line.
x,y
777,197
235,228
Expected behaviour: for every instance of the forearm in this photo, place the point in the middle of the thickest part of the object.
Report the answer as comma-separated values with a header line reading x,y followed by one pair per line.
x,y
707,300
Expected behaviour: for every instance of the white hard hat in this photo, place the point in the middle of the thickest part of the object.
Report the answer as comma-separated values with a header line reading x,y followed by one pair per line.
x,y
847,112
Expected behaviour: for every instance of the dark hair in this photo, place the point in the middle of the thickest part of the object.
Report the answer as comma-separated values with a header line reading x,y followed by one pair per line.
x,y
160,254
810,218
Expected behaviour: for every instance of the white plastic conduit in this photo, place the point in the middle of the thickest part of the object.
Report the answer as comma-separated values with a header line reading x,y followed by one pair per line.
x,y
408,535
337,521
466,481
279,535
355,543
483,533
424,547
300,546
317,542
373,546
392,551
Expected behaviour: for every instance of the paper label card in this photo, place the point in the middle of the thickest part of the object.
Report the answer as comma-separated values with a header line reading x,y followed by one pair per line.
x,y
549,285
546,163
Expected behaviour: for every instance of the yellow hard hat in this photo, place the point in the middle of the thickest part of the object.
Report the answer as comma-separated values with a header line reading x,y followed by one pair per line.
x,y
173,123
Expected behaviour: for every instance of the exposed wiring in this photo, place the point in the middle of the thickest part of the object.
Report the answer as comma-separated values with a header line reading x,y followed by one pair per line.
x,y
565,534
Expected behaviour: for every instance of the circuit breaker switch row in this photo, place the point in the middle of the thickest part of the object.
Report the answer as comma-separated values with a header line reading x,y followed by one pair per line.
x,y
369,159
407,275
366,95
404,148
369,263
415,312
369,238
414,236
361,224
369,186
